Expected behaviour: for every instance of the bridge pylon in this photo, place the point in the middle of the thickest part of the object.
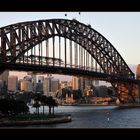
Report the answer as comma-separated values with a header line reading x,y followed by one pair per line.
x,y
138,92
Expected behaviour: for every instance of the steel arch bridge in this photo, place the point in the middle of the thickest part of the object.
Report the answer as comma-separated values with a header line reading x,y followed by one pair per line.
x,y
65,47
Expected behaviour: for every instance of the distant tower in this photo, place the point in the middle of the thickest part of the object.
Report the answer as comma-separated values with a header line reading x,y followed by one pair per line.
x,y
75,83
47,86
54,85
25,85
4,76
40,79
12,83
138,72
34,78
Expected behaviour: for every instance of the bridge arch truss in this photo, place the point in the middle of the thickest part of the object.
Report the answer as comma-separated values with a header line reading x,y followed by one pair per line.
x,y
64,44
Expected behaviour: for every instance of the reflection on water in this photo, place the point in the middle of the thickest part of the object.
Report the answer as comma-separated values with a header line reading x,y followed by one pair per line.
x,y
96,117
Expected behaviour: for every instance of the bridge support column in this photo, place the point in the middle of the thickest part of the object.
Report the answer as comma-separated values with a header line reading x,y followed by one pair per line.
x,y
139,92
130,90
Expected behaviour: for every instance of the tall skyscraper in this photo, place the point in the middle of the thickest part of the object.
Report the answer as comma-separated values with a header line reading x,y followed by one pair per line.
x,y
54,85
40,79
75,83
12,83
4,76
39,87
47,84
138,72
81,83
25,85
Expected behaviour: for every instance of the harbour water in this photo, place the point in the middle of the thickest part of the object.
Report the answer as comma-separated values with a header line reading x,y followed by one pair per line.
x,y
96,117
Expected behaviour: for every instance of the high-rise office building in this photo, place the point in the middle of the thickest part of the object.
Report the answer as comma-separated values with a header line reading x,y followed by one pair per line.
x,y
12,83
75,83
50,85
138,72
25,85
46,86
34,77
54,85
81,83
4,76
40,79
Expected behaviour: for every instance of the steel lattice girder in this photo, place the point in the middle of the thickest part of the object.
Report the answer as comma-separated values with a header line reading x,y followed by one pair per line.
x,y
17,39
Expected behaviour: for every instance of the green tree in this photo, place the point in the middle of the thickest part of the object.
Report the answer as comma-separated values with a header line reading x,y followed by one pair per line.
x,y
36,104
77,94
65,91
43,101
51,103
4,106
37,101
54,104
11,106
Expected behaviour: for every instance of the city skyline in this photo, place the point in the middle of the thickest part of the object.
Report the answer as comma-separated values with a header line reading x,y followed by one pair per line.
x,y
86,64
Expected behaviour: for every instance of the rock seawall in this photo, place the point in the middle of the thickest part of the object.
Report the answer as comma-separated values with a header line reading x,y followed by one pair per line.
x,y
61,119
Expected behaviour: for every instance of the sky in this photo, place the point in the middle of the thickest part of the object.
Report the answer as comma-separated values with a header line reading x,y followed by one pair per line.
x,y
121,29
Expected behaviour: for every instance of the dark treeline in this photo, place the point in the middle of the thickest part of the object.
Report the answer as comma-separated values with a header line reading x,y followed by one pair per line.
x,y
10,106
14,105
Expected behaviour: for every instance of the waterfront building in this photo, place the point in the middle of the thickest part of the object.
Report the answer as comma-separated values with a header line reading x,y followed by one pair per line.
x,y
69,99
88,92
64,84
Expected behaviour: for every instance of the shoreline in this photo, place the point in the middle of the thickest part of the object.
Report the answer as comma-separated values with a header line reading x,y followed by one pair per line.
x,y
89,105
118,105
129,106
55,120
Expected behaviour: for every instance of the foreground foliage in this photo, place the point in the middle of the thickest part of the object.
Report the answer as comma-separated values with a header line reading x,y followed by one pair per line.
x,y
10,106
